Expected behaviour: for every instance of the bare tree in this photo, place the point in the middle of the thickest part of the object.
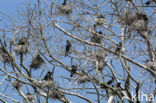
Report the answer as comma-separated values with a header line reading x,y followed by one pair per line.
x,y
79,51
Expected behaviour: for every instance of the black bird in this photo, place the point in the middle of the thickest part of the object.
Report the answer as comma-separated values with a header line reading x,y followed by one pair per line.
x,y
118,47
64,3
118,85
148,3
94,27
142,16
68,46
73,71
100,32
110,81
48,76
145,17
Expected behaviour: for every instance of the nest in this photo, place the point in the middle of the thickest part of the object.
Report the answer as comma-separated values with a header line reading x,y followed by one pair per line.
x,y
82,79
137,21
99,55
65,9
37,62
45,84
48,84
140,25
22,46
21,49
134,17
56,94
5,56
50,88
17,84
96,38
100,20
100,66
30,97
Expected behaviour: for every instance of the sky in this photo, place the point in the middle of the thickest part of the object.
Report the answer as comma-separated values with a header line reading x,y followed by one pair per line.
x,y
9,7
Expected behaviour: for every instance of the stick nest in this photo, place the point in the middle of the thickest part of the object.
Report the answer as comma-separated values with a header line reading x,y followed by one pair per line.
x,y
5,56
100,20
82,79
22,46
37,62
96,38
65,9
137,21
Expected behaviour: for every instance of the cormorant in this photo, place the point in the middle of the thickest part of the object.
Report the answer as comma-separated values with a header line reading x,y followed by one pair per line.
x,y
118,47
64,3
48,76
110,81
68,46
73,71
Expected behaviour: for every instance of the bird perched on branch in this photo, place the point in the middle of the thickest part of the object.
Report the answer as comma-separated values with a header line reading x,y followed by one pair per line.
x,y
68,46
150,1
100,32
118,85
64,3
73,71
119,46
48,76
110,81
22,41
47,81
